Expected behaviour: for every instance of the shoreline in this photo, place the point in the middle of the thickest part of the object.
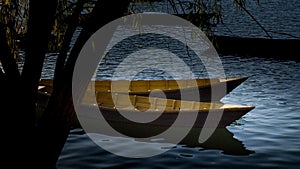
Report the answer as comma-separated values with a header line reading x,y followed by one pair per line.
x,y
282,49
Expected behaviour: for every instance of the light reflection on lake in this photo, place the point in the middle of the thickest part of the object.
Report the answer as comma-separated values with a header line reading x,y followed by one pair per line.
x,y
269,134
271,130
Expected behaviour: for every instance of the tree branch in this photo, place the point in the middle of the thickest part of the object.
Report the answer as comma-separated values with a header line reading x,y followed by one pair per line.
x,y
61,59
242,6
7,58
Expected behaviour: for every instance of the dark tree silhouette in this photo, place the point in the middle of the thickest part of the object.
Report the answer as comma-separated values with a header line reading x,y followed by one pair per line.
x,y
32,143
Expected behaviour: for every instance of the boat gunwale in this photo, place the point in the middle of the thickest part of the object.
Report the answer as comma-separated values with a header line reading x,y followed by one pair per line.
x,y
210,110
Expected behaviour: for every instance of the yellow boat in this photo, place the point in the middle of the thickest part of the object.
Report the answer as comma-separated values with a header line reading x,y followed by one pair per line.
x,y
171,88
164,111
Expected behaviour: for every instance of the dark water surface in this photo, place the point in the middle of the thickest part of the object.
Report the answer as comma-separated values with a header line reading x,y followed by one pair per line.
x,y
266,137
279,17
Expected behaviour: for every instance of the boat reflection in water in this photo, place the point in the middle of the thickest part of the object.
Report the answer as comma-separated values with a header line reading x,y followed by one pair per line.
x,y
221,139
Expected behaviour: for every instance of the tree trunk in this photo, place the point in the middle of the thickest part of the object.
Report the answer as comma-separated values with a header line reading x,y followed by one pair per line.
x,y
17,96
72,25
38,36
24,91
59,115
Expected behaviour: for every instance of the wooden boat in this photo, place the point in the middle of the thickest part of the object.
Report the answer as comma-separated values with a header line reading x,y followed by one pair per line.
x,y
171,88
164,111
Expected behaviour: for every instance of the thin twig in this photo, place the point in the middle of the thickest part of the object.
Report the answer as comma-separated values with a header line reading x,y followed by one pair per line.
x,y
285,34
254,19
173,6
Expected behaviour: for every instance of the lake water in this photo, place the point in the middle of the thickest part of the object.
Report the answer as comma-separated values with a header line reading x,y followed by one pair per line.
x,y
279,17
266,137
270,132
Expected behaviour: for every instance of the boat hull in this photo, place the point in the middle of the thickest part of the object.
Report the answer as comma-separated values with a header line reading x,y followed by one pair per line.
x,y
206,90
207,93
219,118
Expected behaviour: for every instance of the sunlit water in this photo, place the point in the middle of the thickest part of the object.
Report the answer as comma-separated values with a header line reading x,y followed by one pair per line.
x,y
266,137
280,18
270,132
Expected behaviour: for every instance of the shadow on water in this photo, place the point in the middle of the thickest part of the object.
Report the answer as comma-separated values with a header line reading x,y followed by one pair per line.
x,y
221,139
